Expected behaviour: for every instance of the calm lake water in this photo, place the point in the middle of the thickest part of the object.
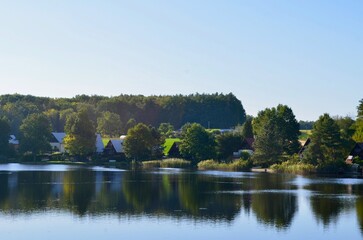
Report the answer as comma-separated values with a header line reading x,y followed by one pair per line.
x,y
71,202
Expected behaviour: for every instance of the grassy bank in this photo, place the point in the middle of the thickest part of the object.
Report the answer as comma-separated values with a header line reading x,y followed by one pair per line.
x,y
294,168
237,165
167,163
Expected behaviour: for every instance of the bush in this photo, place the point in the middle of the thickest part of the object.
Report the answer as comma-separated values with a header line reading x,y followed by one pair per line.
x,y
294,167
175,163
167,163
237,165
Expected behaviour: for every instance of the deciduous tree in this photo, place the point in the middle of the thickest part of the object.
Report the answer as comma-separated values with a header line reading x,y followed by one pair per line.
x,y
35,132
197,144
80,135
109,124
141,142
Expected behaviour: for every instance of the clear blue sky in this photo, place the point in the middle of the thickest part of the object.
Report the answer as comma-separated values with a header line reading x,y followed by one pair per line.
x,y
306,54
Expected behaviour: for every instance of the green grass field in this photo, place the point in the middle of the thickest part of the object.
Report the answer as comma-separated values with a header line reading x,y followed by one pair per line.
x,y
105,140
305,134
168,143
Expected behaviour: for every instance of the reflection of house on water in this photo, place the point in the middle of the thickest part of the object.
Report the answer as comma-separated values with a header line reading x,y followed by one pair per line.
x,y
57,179
13,181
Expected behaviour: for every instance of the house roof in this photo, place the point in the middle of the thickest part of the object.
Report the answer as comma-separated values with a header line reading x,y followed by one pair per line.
x,y
99,143
13,140
58,136
117,144
357,150
304,146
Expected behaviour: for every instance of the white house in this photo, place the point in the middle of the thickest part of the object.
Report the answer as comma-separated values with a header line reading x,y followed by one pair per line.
x,y
57,142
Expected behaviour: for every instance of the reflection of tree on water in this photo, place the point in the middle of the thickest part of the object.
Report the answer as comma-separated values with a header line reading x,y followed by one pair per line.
x,y
275,209
270,206
328,209
82,191
78,188
4,192
327,205
359,207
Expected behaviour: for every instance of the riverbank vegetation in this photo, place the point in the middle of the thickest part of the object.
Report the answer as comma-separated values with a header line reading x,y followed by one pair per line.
x,y
175,127
167,163
236,165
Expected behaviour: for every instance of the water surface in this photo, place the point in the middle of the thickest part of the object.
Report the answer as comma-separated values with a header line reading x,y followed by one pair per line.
x,y
61,201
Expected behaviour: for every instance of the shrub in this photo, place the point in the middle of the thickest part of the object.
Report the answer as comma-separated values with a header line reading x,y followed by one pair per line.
x,y
294,167
167,163
237,165
175,163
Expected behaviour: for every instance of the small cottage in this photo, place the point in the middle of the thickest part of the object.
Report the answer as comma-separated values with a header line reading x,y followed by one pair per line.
x,y
56,141
114,147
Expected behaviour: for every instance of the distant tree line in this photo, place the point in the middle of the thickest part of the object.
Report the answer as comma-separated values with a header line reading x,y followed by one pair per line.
x,y
306,125
124,111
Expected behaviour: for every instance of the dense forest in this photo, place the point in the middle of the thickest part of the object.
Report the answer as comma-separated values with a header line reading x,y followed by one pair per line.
x,y
209,110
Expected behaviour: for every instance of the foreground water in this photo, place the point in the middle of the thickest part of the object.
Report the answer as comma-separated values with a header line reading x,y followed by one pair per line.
x,y
70,202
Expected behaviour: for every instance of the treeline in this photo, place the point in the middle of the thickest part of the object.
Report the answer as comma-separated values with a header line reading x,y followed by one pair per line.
x,y
209,110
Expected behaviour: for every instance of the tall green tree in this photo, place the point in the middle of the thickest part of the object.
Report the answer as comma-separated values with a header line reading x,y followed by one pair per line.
x,y
80,134
360,109
268,144
35,132
141,142
197,144
4,137
109,124
347,129
326,146
54,118
358,134
247,130
290,129
276,131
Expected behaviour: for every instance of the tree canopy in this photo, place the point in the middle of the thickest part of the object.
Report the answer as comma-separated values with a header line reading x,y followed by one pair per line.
x,y
4,137
35,132
326,144
142,142
216,110
268,144
247,130
197,144
80,134
109,124
276,131
358,135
